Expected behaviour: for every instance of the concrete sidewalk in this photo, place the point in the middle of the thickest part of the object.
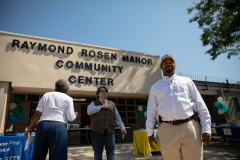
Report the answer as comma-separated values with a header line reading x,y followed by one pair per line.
x,y
222,151
124,151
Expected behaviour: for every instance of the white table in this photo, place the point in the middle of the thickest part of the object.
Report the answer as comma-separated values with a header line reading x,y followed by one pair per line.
x,y
81,129
87,129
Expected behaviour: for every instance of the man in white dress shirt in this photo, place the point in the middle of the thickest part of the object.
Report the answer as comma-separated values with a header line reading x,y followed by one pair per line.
x,y
176,99
104,117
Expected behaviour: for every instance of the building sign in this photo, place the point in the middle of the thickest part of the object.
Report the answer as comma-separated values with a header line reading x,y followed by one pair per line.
x,y
82,65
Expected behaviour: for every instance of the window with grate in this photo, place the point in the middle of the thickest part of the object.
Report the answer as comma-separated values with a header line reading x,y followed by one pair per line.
x,y
130,101
236,104
33,105
112,99
33,98
141,101
121,101
22,96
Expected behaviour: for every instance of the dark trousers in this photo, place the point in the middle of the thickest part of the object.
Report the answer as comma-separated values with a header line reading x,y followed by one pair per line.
x,y
50,135
98,142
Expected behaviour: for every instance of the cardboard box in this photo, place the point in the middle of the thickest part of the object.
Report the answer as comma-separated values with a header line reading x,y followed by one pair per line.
x,y
235,122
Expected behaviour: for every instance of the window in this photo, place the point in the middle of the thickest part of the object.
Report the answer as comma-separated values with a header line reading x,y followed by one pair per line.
x,y
131,121
130,108
33,105
131,114
127,109
236,104
121,108
130,101
141,101
33,98
112,99
121,101
89,100
123,114
22,96
31,113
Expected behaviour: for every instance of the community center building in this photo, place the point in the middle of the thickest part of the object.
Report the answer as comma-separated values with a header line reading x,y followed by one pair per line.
x,y
30,66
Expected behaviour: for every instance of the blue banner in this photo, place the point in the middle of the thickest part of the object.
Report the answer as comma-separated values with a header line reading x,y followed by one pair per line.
x,y
12,148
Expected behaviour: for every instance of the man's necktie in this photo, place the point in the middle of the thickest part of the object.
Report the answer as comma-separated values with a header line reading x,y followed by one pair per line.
x,y
104,101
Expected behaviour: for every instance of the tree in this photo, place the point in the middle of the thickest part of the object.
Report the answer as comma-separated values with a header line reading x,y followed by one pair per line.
x,y
220,22
238,82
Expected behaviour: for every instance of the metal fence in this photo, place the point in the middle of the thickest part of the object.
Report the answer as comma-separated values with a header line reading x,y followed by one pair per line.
x,y
208,78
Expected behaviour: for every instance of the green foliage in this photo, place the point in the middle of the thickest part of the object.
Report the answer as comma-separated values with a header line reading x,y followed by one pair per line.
x,y
220,22
238,83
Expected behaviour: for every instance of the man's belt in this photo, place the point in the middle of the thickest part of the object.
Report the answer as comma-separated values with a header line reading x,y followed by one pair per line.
x,y
177,122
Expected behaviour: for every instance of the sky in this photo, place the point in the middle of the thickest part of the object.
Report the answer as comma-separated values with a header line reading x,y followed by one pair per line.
x,y
154,27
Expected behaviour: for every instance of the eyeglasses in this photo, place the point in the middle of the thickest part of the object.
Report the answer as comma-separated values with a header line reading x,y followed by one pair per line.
x,y
103,91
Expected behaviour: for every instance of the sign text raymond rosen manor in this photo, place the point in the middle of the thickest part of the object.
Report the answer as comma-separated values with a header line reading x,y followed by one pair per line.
x,y
69,50
82,65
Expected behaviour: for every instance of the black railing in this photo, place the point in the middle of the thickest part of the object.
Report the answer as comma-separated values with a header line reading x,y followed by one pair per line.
x,y
208,78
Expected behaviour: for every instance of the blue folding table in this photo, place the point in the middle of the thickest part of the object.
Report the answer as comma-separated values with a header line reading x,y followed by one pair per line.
x,y
228,132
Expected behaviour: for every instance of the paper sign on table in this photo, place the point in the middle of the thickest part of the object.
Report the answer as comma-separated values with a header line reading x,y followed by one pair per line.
x,y
29,140
213,130
227,131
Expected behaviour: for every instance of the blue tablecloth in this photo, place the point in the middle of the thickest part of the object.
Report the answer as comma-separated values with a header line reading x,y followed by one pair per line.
x,y
12,147
234,130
